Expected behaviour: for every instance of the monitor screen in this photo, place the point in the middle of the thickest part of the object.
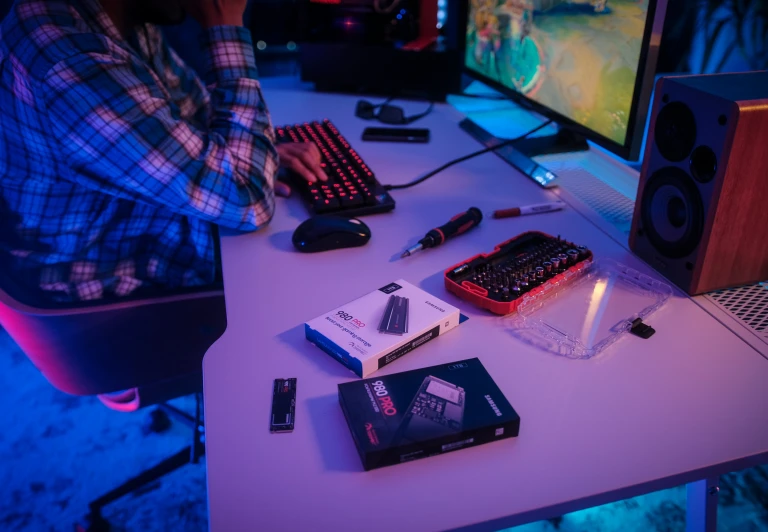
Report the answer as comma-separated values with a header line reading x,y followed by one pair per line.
x,y
578,58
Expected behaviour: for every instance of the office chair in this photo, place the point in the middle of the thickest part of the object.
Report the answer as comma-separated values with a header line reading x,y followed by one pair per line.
x,y
152,349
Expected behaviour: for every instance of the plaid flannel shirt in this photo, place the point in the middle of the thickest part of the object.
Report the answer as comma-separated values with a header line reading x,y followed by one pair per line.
x,y
116,160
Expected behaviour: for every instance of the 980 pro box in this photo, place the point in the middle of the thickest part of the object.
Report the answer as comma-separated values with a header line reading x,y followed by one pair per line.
x,y
370,332
405,416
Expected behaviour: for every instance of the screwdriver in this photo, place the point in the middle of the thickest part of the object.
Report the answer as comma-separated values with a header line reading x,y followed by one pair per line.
x,y
459,224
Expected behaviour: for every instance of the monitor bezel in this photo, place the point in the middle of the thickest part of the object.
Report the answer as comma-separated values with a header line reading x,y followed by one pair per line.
x,y
641,97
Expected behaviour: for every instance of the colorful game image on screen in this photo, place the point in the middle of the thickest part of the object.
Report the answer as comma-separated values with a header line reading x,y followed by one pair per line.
x,y
577,57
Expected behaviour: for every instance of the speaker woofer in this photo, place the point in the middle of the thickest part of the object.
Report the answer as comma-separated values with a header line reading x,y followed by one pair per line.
x,y
675,131
672,212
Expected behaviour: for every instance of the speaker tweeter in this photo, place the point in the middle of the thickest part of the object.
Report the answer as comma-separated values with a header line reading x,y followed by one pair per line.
x,y
703,164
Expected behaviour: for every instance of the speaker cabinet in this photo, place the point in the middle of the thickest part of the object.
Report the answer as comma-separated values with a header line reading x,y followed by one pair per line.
x,y
701,216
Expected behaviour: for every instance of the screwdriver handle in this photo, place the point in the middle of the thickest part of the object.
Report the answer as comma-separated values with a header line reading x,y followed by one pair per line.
x,y
459,224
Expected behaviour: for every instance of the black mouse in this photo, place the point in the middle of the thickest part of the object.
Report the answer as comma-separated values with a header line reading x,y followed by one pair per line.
x,y
323,233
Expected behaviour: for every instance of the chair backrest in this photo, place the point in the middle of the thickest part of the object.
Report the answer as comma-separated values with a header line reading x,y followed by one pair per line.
x,y
116,346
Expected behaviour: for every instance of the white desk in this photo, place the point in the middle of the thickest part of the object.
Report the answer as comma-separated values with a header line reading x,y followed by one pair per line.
x,y
686,405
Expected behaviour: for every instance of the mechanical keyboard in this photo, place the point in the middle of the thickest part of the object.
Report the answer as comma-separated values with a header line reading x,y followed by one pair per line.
x,y
352,189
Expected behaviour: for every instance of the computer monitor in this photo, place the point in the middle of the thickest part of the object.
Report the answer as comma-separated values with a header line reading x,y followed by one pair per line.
x,y
587,64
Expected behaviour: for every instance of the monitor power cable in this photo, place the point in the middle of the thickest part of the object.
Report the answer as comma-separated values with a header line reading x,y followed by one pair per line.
x,y
466,157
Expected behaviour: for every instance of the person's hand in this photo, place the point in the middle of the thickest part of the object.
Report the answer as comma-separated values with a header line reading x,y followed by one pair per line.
x,y
302,158
211,13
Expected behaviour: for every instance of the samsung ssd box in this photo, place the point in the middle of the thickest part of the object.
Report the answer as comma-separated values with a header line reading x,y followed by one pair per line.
x,y
414,414
374,330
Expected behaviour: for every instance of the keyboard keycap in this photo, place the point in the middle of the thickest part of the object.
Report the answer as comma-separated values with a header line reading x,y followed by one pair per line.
x,y
354,200
368,197
326,205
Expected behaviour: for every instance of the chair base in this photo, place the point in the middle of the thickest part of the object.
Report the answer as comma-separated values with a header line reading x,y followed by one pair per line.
x,y
95,522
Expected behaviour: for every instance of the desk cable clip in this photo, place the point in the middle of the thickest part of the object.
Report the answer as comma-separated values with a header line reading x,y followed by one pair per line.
x,y
641,329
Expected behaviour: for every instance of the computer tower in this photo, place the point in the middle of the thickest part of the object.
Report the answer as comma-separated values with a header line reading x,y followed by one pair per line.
x,y
362,22
701,216
274,23
364,46
274,26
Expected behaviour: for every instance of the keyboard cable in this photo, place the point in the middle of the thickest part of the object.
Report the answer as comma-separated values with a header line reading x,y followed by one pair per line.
x,y
466,157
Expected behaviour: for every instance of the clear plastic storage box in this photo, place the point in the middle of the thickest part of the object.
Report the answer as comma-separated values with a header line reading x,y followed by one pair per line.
x,y
588,310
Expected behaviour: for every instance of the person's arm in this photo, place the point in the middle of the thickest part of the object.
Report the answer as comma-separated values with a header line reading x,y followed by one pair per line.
x,y
119,134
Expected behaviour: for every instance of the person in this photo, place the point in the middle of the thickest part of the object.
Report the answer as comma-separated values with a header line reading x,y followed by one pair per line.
x,y
117,161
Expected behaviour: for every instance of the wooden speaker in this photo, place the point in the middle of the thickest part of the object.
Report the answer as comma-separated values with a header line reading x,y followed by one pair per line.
x,y
701,216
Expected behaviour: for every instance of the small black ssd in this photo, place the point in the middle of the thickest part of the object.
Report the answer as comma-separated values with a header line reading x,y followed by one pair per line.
x,y
283,406
396,134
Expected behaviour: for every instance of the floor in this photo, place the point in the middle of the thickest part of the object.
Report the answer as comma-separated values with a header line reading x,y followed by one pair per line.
x,y
59,451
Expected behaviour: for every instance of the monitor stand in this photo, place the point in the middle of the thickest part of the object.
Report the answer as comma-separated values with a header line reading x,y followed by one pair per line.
x,y
511,154
564,141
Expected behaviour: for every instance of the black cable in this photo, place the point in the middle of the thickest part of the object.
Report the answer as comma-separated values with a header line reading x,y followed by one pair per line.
x,y
385,102
464,158
405,119
414,118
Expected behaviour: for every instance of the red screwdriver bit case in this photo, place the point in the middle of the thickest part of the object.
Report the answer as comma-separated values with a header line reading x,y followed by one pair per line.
x,y
522,253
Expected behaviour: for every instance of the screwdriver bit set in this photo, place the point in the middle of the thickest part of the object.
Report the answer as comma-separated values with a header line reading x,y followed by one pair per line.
x,y
524,265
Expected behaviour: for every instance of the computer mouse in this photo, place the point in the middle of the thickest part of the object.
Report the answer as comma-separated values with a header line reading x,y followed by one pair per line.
x,y
323,233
